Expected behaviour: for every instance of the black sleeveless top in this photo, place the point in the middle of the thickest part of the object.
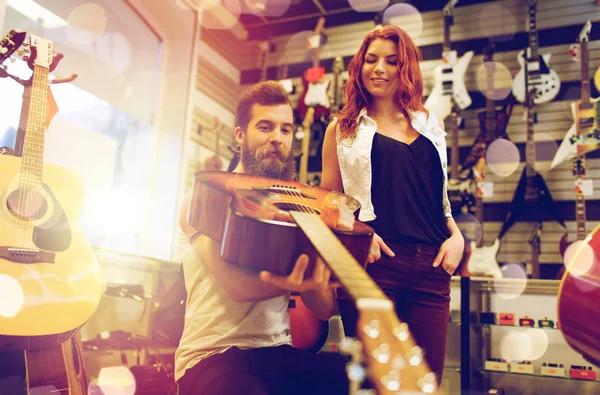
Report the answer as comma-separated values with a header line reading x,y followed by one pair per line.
x,y
406,191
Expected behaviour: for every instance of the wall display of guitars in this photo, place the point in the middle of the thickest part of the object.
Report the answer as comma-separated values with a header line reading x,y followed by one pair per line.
x,y
449,86
532,200
44,255
535,67
311,220
584,135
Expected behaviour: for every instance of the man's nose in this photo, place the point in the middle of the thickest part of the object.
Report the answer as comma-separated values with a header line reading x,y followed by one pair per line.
x,y
275,137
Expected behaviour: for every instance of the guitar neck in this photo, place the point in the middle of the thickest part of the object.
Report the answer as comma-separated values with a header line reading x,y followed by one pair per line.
x,y
530,145
533,34
349,272
454,150
580,215
479,215
585,74
33,144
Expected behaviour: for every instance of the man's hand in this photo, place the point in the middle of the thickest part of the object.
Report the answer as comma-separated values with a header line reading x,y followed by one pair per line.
x,y
378,245
296,282
450,253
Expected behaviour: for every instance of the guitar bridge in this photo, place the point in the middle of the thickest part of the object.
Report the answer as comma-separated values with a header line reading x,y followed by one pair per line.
x,y
26,255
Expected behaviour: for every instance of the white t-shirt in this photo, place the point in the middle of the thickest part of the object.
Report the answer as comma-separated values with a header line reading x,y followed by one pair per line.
x,y
215,323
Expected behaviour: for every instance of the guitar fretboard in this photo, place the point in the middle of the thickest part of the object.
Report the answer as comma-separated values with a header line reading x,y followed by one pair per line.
x,y
348,271
33,147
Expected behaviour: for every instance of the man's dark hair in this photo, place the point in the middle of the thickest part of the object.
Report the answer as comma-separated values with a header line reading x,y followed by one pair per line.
x,y
267,93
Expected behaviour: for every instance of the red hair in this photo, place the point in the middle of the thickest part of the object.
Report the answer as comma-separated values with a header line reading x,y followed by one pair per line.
x,y
409,96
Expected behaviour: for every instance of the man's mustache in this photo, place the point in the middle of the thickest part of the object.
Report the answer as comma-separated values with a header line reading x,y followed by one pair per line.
x,y
264,152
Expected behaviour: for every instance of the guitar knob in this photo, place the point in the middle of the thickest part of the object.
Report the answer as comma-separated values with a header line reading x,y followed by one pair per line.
x,y
401,331
428,383
415,356
382,353
372,329
391,381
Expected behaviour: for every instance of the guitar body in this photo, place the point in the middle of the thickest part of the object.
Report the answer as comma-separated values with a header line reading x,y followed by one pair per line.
x,y
56,370
449,83
547,87
314,95
61,296
570,147
244,212
534,208
482,260
578,307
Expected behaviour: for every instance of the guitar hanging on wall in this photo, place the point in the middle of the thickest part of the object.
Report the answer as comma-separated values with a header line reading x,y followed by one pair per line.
x,y
44,256
535,67
449,78
532,199
584,134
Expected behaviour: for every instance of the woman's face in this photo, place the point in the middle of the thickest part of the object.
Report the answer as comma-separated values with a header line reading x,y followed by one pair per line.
x,y
380,68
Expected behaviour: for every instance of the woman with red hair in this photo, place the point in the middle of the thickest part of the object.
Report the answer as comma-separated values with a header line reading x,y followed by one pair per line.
x,y
389,153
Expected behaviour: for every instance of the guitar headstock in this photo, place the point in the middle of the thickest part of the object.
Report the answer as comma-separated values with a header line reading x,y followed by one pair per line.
x,y
449,8
42,53
584,34
338,65
395,363
10,43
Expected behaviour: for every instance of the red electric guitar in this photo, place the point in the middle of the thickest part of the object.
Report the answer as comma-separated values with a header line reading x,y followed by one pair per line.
x,y
262,223
578,295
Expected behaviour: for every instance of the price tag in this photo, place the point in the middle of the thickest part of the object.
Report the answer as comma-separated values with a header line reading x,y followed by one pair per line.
x,y
487,188
586,186
449,57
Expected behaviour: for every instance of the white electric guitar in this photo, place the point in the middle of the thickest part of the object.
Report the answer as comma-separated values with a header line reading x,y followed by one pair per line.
x,y
545,81
583,136
449,77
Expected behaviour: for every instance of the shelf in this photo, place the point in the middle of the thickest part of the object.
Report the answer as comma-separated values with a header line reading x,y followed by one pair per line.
x,y
535,375
514,326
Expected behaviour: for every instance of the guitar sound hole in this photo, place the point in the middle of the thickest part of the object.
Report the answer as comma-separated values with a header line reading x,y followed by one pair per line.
x,y
289,206
27,205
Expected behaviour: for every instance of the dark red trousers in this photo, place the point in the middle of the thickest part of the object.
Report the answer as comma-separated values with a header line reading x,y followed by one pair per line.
x,y
421,294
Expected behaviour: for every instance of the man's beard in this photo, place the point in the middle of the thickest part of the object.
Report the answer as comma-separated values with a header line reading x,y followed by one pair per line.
x,y
258,162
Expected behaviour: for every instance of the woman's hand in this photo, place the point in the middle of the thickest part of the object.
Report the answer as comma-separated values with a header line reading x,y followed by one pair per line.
x,y
450,253
378,245
296,282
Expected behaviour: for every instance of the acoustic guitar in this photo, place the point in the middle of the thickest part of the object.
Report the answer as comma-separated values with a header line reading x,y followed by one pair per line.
x,y
578,295
265,224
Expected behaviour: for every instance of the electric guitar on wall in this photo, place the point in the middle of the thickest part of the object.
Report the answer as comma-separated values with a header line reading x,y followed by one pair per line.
x,y
449,84
580,215
286,219
532,199
535,67
583,136
46,264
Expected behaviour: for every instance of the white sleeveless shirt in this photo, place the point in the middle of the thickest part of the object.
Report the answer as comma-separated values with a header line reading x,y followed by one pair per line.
x,y
354,157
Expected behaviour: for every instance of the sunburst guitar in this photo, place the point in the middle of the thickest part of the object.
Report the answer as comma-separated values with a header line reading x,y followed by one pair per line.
x,y
49,276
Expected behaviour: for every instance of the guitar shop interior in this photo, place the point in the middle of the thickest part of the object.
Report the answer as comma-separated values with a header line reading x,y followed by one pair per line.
x,y
111,110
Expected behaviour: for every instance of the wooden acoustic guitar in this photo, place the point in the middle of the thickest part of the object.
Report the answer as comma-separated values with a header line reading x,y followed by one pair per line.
x,y
578,295
265,224
48,272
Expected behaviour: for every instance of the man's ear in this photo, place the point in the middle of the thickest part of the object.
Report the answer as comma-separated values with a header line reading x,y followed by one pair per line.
x,y
239,135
